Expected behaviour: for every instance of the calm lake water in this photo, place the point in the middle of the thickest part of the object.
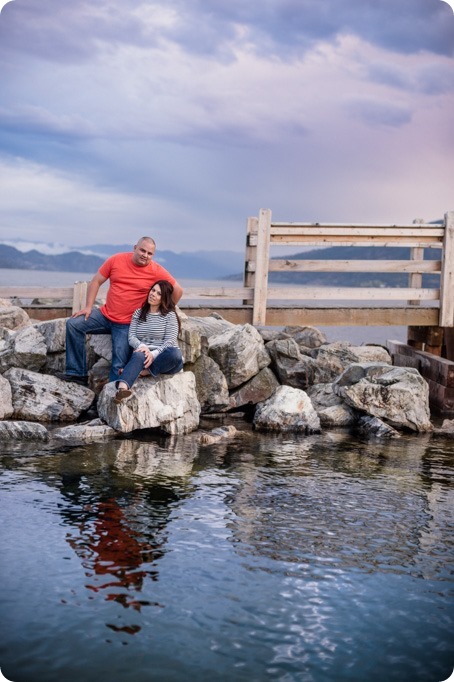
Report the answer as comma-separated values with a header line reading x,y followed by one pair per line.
x,y
262,557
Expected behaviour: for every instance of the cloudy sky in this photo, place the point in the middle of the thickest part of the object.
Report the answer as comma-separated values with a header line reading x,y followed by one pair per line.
x,y
181,118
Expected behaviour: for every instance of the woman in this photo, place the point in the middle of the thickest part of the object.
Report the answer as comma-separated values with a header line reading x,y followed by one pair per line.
x,y
153,335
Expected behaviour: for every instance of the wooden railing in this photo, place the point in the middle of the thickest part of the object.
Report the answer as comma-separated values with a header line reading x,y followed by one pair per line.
x,y
261,304
263,233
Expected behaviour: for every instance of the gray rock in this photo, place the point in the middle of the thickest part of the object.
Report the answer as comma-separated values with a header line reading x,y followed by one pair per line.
x,y
98,346
288,409
254,391
306,337
23,430
12,317
446,430
398,395
22,348
87,432
40,397
331,409
98,375
239,352
6,403
211,384
292,367
166,402
373,427
54,334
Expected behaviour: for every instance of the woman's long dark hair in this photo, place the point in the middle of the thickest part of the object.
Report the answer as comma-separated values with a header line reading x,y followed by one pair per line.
x,y
166,306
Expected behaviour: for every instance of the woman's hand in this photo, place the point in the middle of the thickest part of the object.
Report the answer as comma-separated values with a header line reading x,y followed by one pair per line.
x,y
148,356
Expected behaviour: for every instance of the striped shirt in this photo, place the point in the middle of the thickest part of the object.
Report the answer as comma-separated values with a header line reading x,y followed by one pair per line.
x,y
157,332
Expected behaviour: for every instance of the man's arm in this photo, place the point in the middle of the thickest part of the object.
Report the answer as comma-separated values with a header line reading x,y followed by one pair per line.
x,y
92,292
177,292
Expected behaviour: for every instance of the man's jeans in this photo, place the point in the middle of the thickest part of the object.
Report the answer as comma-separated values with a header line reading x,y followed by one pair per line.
x,y
76,330
169,361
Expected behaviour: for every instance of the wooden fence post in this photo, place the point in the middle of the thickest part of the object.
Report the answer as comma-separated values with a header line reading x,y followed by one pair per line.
x,y
447,274
261,267
250,255
79,296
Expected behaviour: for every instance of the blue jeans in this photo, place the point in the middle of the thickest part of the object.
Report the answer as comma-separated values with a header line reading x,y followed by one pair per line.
x,y
169,361
76,330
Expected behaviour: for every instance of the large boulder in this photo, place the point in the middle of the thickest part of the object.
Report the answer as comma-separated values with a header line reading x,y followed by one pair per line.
x,y
43,398
373,427
87,432
288,409
333,358
256,390
331,409
12,317
166,402
53,333
6,403
23,348
292,367
239,352
23,430
211,384
397,395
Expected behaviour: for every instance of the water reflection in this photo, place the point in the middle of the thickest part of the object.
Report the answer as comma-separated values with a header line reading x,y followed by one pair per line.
x,y
257,557
324,506
119,525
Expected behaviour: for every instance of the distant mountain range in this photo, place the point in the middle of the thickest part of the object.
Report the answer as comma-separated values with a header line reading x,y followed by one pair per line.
x,y
353,279
227,265
189,265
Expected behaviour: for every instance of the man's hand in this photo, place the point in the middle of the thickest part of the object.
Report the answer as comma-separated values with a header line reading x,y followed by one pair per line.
x,y
85,311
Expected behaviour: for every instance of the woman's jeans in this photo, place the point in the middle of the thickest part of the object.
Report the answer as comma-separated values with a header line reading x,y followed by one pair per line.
x,y
76,330
170,361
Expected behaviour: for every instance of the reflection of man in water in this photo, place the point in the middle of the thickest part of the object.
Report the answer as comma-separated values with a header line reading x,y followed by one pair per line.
x,y
108,547
116,551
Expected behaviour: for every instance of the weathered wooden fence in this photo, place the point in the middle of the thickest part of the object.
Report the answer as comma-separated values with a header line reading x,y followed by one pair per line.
x,y
261,304
412,305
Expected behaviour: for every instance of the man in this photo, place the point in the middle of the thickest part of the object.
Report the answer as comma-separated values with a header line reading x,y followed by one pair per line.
x,y
130,277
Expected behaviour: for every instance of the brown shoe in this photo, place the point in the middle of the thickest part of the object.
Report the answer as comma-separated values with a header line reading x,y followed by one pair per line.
x,y
122,394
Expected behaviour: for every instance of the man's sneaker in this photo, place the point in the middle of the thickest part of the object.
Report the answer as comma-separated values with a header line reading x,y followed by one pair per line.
x,y
73,378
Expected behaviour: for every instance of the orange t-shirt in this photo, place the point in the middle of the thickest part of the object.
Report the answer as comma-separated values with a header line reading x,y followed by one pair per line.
x,y
129,285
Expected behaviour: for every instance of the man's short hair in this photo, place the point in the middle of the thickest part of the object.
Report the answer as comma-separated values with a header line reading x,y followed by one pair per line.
x,y
148,239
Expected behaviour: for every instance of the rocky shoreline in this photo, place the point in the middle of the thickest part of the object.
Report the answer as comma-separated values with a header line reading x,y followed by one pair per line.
x,y
282,381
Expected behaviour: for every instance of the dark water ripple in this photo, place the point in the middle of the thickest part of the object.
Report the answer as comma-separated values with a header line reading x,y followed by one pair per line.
x,y
264,557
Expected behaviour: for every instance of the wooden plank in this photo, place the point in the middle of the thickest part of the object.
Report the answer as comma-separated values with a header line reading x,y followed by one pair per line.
x,y
250,255
431,335
236,315
415,277
361,231
406,361
399,266
340,240
282,316
342,226
261,267
350,317
304,293
203,293
437,369
36,292
447,275
441,396
79,296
